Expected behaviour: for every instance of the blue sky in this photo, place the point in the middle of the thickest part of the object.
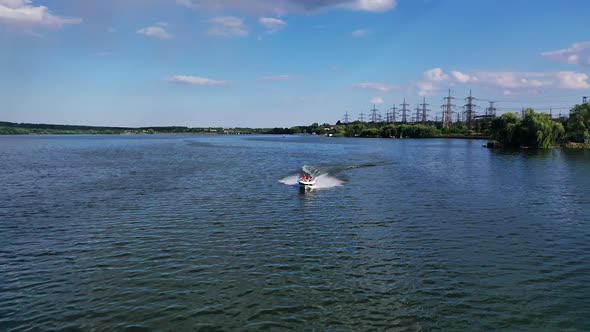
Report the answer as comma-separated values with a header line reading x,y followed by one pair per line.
x,y
266,63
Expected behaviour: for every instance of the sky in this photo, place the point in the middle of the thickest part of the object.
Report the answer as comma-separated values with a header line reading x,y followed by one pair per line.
x,y
281,63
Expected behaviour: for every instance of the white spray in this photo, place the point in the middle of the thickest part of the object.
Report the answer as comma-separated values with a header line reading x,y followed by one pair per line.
x,y
323,181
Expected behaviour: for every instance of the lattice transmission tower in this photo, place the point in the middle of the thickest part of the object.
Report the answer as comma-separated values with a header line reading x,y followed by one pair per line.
x,y
424,110
391,115
447,111
470,111
346,117
405,111
491,110
374,114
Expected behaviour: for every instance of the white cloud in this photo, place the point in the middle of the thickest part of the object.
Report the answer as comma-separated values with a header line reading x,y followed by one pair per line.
x,y
430,81
381,87
373,5
22,13
577,54
195,80
227,26
360,33
275,78
461,77
377,100
436,75
155,31
509,82
515,80
573,80
272,25
283,7
426,88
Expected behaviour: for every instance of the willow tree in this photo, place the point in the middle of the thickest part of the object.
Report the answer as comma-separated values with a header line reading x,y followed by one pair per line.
x,y
535,130
578,124
504,130
538,130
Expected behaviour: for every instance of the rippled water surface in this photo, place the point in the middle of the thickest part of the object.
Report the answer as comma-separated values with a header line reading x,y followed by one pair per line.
x,y
210,233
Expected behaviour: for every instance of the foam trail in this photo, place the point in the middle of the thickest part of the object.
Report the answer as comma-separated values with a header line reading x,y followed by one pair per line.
x,y
308,169
290,180
323,181
326,181
322,174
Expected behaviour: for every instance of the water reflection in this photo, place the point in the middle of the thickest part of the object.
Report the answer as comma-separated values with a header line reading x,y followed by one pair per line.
x,y
526,153
306,193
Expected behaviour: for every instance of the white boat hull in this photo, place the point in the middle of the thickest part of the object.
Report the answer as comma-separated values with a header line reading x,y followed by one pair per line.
x,y
306,183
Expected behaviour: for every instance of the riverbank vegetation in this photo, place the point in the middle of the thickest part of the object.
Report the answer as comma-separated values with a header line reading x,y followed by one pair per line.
x,y
533,130
540,131
10,128
389,130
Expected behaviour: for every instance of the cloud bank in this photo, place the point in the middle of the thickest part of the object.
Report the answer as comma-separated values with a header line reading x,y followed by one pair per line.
x,y
576,54
509,82
284,7
195,80
381,87
22,13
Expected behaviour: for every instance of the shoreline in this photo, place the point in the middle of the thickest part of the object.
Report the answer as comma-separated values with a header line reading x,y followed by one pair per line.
x,y
565,145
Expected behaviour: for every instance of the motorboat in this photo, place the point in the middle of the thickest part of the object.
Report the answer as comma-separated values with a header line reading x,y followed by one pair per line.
x,y
306,181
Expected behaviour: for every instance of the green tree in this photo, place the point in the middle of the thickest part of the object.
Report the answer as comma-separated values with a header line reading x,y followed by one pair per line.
x,y
538,130
578,124
355,129
389,131
504,130
339,130
370,132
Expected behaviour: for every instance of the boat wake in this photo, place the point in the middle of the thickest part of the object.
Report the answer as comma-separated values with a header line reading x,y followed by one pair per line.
x,y
322,181
327,176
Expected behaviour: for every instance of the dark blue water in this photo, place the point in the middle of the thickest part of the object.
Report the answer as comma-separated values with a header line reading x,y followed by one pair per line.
x,y
208,233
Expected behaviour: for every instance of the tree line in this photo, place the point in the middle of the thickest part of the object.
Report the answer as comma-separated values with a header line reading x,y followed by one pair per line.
x,y
385,130
534,130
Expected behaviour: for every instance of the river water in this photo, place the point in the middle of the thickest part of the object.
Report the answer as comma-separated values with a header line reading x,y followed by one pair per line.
x,y
134,233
